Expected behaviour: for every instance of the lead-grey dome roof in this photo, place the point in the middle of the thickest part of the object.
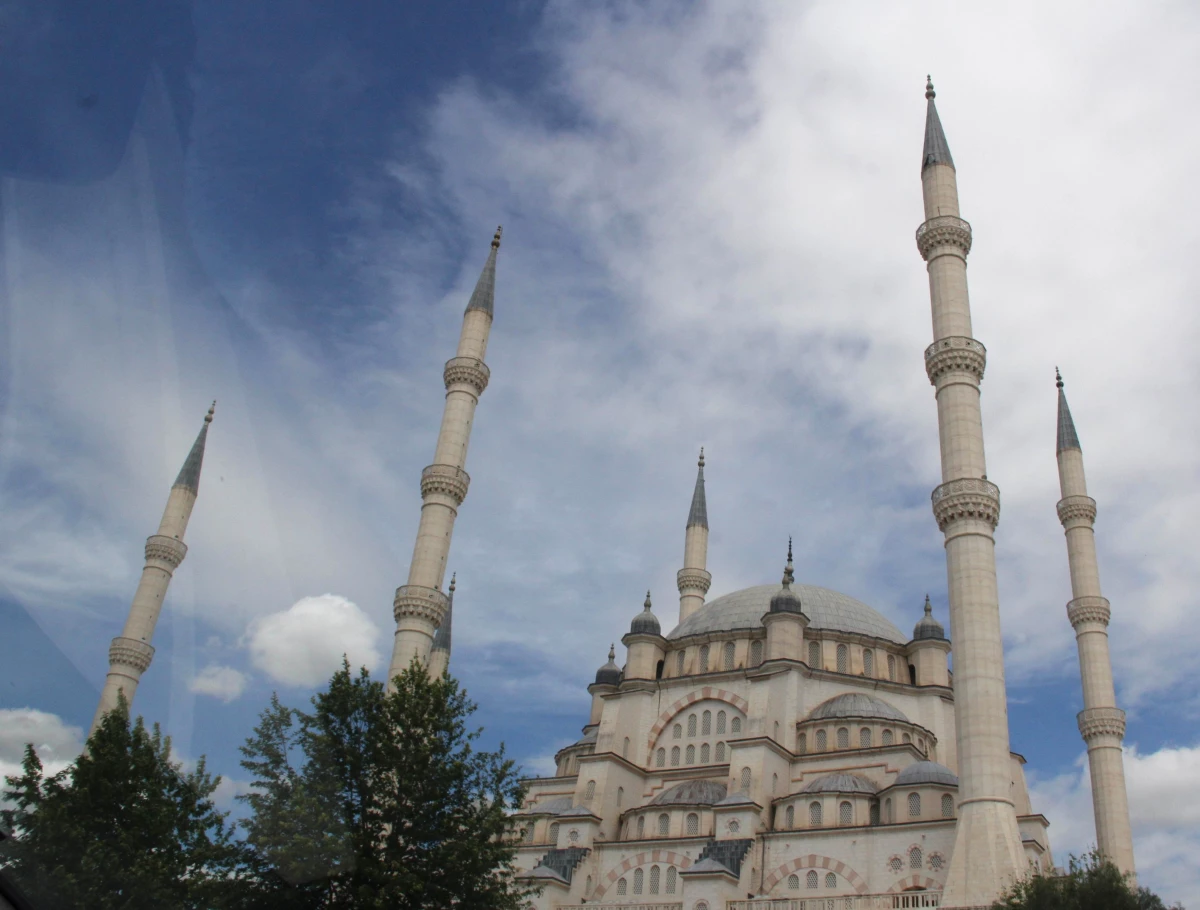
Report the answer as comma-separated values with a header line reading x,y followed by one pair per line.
x,y
553,807
856,704
825,608
926,772
839,783
691,793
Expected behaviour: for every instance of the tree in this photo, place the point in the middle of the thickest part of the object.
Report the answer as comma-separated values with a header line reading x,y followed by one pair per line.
x,y
121,827
378,799
1091,883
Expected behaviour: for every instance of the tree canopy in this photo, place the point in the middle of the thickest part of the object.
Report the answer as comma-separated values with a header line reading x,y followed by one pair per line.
x,y
1091,883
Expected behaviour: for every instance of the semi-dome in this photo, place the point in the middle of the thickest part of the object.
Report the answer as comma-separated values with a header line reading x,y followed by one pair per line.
x,y
825,609
840,783
856,704
610,673
928,627
691,793
645,623
926,772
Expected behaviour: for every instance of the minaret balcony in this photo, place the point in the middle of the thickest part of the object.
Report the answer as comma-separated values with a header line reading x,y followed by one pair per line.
x,y
955,354
1076,510
944,231
420,602
1094,722
165,552
469,371
693,580
1089,610
966,498
447,479
130,652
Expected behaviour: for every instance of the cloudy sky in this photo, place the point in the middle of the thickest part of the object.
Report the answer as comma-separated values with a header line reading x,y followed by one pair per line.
x,y
708,214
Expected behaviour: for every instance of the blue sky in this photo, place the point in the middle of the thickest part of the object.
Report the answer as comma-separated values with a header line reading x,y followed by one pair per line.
x,y
708,215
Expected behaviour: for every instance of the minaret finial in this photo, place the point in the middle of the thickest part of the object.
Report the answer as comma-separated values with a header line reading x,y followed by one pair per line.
x,y
937,150
484,295
211,408
1067,437
1058,378
788,574
700,463
189,474
496,237
698,513
612,653
928,606
453,576
646,605
929,92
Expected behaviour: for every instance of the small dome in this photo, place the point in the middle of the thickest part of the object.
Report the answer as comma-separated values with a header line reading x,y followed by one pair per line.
x,y
928,627
552,807
691,793
926,772
840,783
856,704
610,673
645,623
785,600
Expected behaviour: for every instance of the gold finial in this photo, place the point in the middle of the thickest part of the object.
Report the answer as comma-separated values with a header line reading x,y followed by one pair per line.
x,y
700,463
209,416
496,238
929,92
1058,378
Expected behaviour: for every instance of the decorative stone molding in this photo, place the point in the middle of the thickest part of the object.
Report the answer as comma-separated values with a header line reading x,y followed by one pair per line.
x,y
1095,722
130,652
1088,609
955,354
944,230
693,579
667,857
468,371
968,497
165,552
446,479
815,861
1077,508
424,603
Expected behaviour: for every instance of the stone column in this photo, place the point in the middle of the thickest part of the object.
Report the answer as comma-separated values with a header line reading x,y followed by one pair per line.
x,y
693,579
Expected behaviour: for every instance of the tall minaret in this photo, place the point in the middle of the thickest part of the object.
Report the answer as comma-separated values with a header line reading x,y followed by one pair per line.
x,y
420,605
1101,722
693,579
987,847
439,655
130,653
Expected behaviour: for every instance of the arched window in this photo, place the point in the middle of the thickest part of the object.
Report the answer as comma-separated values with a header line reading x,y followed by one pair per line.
x,y
720,752
655,872
735,725
677,731
794,882
936,862
887,737
587,886
639,878
671,880
720,721
921,744
914,805
552,837
947,806
664,825
843,738
690,759
802,743
830,880
845,814
674,756
814,814
620,795
527,834
641,827
625,748
892,667
814,655
622,887
887,810
843,659
789,818
822,741
660,757
679,664
774,783
907,738
868,662
704,658
775,732
912,675
729,652
590,790
864,738
914,858
756,651
691,725
693,823
706,723
705,754
745,780
810,880
874,813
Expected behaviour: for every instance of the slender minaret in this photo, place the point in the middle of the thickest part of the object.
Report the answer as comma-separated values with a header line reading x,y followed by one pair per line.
x,y
130,653
693,579
439,655
420,605
987,849
1101,722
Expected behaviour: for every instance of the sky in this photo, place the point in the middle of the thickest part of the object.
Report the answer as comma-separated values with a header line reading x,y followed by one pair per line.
x,y
708,215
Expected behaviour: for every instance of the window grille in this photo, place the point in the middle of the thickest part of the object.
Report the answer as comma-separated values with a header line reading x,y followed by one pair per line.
x,y
814,814
864,737
814,655
553,837
691,756
830,880
706,723
793,882
745,780
720,752
802,743
914,805
874,813
590,790
887,737
679,664
720,721
895,864
888,810
693,823
664,825
671,880
810,880
892,667
622,886
641,827
822,741
756,652
704,658
660,757
527,834
843,659
868,662
843,738
735,725
677,731
691,725
936,862
654,877
705,754
914,858
845,814
947,806
729,654
674,756
639,878
789,818
587,886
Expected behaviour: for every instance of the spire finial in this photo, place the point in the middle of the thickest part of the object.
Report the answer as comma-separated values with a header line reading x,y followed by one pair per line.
x,y
936,150
612,653
209,416
496,237
700,463
698,513
928,606
484,295
788,575
1058,378
1067,437
646,605
929,92
453,576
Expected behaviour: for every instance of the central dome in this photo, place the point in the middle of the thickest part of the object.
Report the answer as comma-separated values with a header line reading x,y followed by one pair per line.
x,y
825,608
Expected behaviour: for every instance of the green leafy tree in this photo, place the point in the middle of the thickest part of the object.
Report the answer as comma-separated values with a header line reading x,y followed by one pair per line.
x,y
376,799
1091,883
122,827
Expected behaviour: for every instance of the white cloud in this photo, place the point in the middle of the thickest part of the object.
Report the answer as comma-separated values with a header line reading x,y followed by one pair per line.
x,y
56,742
224,683
303,645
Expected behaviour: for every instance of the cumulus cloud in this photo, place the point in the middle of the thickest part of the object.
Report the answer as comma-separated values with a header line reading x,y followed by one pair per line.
x,y
303,645
224,683
57,743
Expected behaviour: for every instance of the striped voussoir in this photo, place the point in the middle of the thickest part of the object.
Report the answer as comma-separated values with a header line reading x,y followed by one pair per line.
x,y
814,861
708,692
669,857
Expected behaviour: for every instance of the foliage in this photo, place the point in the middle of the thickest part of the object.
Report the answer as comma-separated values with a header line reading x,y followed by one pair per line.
x,y
122,827
378,799
1091,883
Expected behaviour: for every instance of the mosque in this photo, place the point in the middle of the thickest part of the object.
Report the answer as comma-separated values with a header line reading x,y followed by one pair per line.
x,y
783,746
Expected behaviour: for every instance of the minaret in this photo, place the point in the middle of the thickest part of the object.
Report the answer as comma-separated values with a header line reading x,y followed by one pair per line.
x,y
420,605
987,850
439,654
1101,722
130,653
693,579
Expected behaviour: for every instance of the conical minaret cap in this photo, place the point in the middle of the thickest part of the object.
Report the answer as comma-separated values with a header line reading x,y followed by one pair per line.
x,y
441,638
698,514
610,673
189,474
484,295
1067,437
937,150
645,623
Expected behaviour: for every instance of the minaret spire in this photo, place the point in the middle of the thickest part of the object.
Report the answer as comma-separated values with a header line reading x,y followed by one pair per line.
x,y
987,855
420,606
130,653
1101,722
693,579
